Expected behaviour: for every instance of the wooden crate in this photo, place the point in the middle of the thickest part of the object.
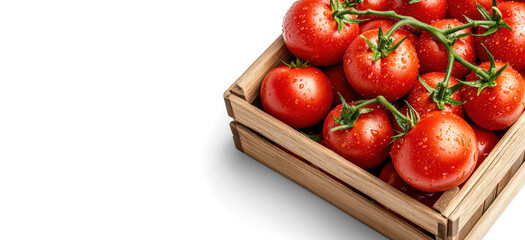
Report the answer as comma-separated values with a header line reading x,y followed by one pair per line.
x,y
465,213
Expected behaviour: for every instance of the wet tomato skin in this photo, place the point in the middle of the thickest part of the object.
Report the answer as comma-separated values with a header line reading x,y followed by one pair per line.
x,y
376,24
336,75
433,56
505,45
487,140
378,5
300,97
365,144
390,176
457,9
391,77
498,107
311,33
419,98
426,11
439,153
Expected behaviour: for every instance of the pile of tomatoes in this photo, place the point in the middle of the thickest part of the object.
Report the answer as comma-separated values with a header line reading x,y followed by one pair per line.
x,y
337,74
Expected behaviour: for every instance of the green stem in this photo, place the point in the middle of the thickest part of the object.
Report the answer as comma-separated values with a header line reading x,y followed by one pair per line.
x,y
470,25
392,109
445,82
445,36
478,71
451,60
409,20
365,103
439,34
379,99
396,26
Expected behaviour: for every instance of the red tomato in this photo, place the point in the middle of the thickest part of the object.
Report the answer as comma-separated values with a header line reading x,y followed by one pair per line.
x,y
311,33
426,11
365,144
378,5
391,77
376,24
433,56
522,73
390,176
498,107
458,8
439,153
385,25
487,140
336,75
505,45
419,98
300,97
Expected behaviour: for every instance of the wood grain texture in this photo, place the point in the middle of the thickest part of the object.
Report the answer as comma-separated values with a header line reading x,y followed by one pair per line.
x,y
344,170
249,84
226,97
445,199
510,174
497,207
463,232
326,187
236,137
490,199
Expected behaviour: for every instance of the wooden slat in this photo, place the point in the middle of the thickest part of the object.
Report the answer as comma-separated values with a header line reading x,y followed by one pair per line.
x,y
490,198
342,169
469,225
497,207
511,173
445,199
505,159
236,137
325,187
248,85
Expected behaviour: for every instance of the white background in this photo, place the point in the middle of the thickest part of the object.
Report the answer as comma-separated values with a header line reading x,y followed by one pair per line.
x,y
113,126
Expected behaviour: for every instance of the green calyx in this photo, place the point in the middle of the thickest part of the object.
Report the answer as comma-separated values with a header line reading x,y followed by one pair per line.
x,y
406,123
313,137
496,17
492,74
340,12
441,95
297,64
414,1
385,45
349,115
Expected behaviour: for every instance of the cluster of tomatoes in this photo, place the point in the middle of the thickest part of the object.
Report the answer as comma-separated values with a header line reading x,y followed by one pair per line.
x,y
378,91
